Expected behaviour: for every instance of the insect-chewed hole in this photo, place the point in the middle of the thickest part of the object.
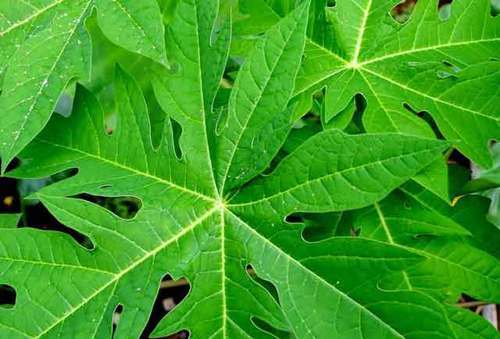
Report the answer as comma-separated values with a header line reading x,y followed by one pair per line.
x,y
110,123
319,226
295,218
448,71
123,207
258,322
7,296
266,327
444,8
495,8
174,68
64,104
264,283
37,216
424,115
423,236
176,136
401,13
170,294
331,3
70,172
117,313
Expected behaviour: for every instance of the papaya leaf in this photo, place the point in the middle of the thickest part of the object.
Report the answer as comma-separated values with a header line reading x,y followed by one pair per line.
x,y
281,226
44,45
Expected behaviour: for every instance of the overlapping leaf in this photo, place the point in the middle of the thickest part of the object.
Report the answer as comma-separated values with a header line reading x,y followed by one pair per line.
x,y
457,261
44,45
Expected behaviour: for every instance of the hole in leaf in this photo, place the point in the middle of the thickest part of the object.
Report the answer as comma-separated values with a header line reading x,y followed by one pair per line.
x,y
331,3
123,207
449,71
444,10
424,236
495,8
321,226
176,135
70,172
170,294
294,219
174,68
157,116
455,68
266,327
7,296
264,283
110,123
355,232
37,216
424,115
356,125
64,104
116,318
401,13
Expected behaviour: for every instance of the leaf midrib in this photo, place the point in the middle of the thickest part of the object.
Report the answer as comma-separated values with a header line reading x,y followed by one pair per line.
x,y
123,272
423,252
130,169
55,264
361,66
339,173
39,92
254,107
31,17
406,278
316,276
203,103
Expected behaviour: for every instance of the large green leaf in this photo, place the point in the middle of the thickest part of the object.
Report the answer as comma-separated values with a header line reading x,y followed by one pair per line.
x,y
446,67
197,222
44,45
455,259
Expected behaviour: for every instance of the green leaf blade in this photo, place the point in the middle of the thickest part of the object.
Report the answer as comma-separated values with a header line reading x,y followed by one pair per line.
x,y
344,172
135,25
38,72
258,117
